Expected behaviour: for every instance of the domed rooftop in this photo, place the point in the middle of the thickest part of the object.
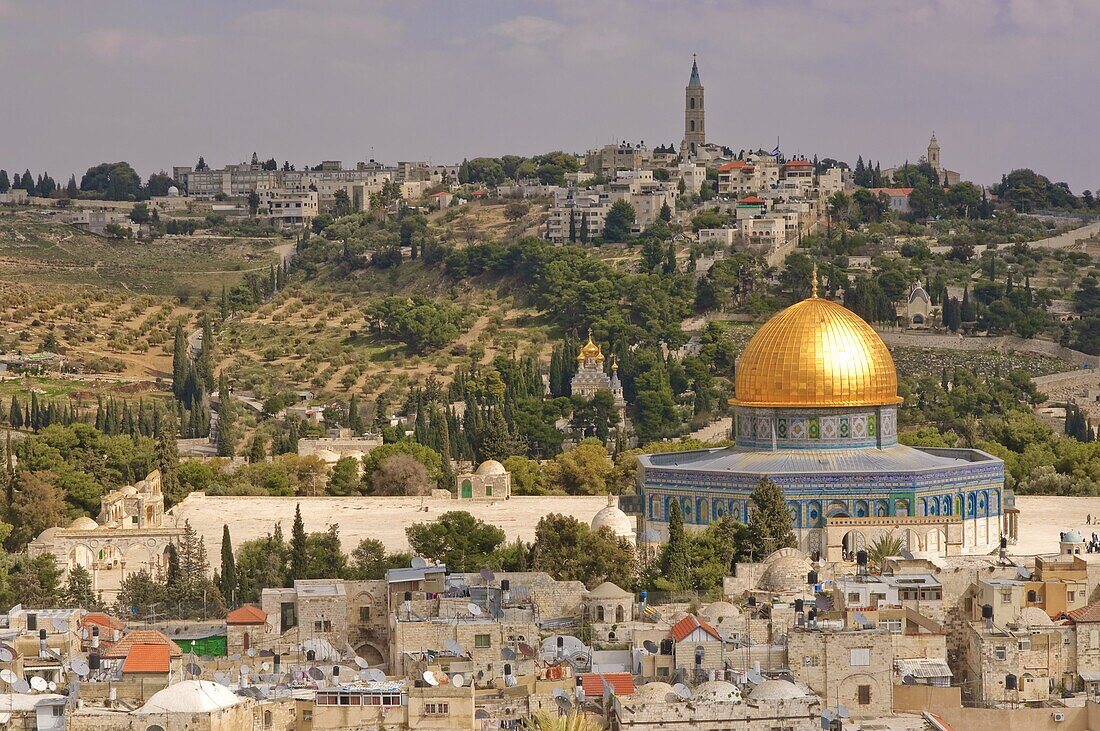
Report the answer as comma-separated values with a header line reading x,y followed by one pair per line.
x,y
48,534
490,467
776,690
816,353
716,691
1072,537
190,696
590,350
615,519
129,490
717,612
655,692
84,523
786,571
1032,617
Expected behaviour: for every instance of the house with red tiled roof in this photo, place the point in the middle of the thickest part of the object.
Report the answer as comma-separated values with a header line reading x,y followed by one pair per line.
x,y
102,627
899,197
621,684
245,628
697,647
147,661
120,649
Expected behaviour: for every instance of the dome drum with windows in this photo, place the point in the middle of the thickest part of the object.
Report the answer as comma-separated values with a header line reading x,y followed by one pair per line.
x,y
816,400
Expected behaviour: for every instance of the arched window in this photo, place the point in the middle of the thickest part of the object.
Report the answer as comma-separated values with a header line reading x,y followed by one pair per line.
x,y
599,613
691,102
691,125
620,614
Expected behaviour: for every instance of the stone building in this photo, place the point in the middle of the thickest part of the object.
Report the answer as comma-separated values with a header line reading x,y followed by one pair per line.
x,y
614,519
695,135
591,378
490,481
128,536
852,668
918,307
610,611
718,706
1020,661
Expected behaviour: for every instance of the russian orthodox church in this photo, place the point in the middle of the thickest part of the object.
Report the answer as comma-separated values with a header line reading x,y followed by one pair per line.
x,y
592,378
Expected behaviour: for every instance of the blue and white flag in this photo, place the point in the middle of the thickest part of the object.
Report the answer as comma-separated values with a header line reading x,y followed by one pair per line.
x,y
775,152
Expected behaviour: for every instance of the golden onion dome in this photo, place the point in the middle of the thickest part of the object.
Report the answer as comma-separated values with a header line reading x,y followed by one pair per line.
x,y
816,353
590,350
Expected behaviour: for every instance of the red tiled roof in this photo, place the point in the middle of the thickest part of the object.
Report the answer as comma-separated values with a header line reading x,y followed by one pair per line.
x,y
689,624
752,199
121,648
892,191
1091,613
731,166
622,684
248,614
103,620
440,194
798,164
147,659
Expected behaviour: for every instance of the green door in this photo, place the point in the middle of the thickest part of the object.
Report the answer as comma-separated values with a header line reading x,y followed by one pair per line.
x,y
467,489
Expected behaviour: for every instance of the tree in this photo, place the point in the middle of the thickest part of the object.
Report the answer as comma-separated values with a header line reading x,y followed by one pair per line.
x,y
619,221
140,213
369,560
181,363
583,470
425,455
400,474
77,593
770,522
115,181
516,210
881,549
675,558
5,183
569,550
666,212
345,477
298,557
166,458
257,448
37,504
228,576
457,539
341,203
547,721
254,202
227,420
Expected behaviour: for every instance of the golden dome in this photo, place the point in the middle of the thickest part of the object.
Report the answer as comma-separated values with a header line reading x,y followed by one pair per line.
x,y
816,353
590,350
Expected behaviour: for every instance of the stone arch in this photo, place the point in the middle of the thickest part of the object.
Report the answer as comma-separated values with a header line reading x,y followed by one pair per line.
x,y
902,508
971,505
910,539
837,509
882,508
862,509
718,509
796,513
702,510
371,653
620,614
945,505
935,541
691,102
81,554
853,541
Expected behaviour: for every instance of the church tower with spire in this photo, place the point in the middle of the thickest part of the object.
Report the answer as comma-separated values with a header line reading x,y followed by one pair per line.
x,y
694,116
934,153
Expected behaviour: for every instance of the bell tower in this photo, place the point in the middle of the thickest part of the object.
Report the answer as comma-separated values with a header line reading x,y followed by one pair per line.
x,y
934,153
694,116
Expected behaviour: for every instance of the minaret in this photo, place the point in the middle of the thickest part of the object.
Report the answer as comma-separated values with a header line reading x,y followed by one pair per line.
x,y
694,117
934,153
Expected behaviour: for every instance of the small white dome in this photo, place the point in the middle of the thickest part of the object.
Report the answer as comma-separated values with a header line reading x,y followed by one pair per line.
x,y
48,534
129,490
1072,537
615,519
173,191
84,523
786,572
655,692
1032,617
190,696
491,467
717,691
716,612
775,690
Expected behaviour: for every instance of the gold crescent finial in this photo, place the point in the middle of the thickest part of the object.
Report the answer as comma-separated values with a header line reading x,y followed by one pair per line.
x,y
813,290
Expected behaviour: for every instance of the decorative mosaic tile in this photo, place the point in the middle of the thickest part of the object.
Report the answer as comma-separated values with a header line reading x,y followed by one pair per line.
x,y
814,428
859,426
798,428
782,428
844,431
871,425
829,427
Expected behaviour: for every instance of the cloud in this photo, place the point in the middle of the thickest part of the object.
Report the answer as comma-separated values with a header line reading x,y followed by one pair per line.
x,y
113,45
529,30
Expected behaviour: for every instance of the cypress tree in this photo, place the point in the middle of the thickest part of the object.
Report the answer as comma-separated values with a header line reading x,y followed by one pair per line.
x,y
15,414
676,559
297,547
227,420
181,365
228,577
204,365
257,450
770,524
166,458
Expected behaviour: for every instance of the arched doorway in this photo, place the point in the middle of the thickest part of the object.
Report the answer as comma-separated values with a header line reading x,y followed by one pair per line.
x,y
935,541
852,541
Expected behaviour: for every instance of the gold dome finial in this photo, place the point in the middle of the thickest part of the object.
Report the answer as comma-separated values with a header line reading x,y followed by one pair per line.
x,y
590,350
813,290
614,363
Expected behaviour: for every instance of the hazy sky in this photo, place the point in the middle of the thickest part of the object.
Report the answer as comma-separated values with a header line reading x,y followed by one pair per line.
x,y
1004,83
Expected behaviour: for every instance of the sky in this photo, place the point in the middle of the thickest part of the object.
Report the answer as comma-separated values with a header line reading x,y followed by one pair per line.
x,y
1004,83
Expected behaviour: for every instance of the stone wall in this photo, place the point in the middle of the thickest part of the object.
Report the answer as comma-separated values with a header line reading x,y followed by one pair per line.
x,y
1003,344
823,660
947,704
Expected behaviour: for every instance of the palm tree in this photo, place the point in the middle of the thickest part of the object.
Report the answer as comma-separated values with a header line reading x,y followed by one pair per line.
x,y
546,721
880,550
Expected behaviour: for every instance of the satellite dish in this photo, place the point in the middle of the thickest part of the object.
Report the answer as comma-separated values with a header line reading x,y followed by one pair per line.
x,y
39,684
908,680
265,667
8,676
251,652
363,664
488,575
364,675
220,678
193,669
21,686
457,681
508,653
473,609
526,649
481,714
842,711
755,678
6,655
559,693
376,675
650,647
418,563
682,691
245,670
316,673
267,653
60,624
52,686
80,666
429,678
452,647
235,657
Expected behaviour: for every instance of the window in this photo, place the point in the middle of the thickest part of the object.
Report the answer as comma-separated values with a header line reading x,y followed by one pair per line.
x,y
999,652
662,672
32,621
288,615
861,656
307,716
1006,596
322,625
599,613
864,694
58,711
481,641
364,614
893,625
853,598
435,709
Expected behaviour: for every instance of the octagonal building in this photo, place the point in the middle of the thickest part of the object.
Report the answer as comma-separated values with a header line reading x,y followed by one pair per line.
x,y
816,400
